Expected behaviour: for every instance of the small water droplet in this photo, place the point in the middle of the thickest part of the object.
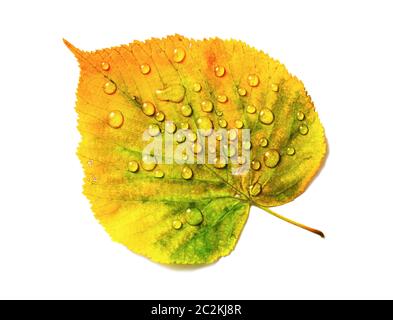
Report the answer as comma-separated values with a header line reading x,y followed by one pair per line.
x,y
153,130
253,80
205,126
263,142
219,163
232,134
241,91
192,136
219,113
196,87
105,66
159,174
222,98
184,125
255,165
194,216
219,136
174,93
291,151
186,110
271,158
177,224
300,116
275,87
303,129
247,145
251,108
241,160
148,162
115,119
187,173
196,147
170,127
256,189
110,87
222,123
207,106
148,108
230,150
180,137
219,71
212,149
160,116
266,116
179,54
145,68
184,156
133,166
239,124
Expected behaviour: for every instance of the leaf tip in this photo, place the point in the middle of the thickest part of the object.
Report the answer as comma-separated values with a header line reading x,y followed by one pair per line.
x,y
72,48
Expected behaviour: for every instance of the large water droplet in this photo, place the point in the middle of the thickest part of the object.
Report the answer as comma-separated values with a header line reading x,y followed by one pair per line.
x,y
219,71
115,119
256,189
222,98
133,166
251,108
266,116
275,87
160,116
186,110
148,108
110,87
241,91
196,87
303,129
145,68
291,151
153,130
148,162
263,142
300,116
187,173
177,224
174,93
159,174
105,66
205,126
247,145
255,164
194,216
180,137
271,158
239,124
222,123
170,127
207,106
253,80
179,54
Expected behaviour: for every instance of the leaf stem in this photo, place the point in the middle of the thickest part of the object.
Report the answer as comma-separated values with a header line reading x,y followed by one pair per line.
x,y
300,225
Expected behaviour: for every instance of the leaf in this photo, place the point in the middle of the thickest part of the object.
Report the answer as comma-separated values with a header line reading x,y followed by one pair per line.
x,y
191,213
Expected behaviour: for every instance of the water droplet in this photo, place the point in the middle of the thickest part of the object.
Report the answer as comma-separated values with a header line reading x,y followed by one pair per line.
x,y
148,162
177,224
255,164
207,106
194,216
180,137
303,129
186,110
230,150
205,126
266,116
271,158
222,98
291,151
110,87
247,145
222,123
174,93
212,149
196,87
160,116
232,134
219,136
275,87
263,142
159,174
219,163
192,136
105,66
187,173
241,160
170,127
184,156
153,130
241,91
251,109
115,119
239,124
184,125
256,189
253,80
133,166
179,54
219,113
145,68
148,108
219,71
197,147
300,116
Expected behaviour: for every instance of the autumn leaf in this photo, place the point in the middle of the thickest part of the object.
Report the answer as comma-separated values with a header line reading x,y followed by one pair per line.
x,y
180,95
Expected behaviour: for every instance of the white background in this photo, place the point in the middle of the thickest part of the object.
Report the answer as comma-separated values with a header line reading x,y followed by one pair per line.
x,y
52,247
